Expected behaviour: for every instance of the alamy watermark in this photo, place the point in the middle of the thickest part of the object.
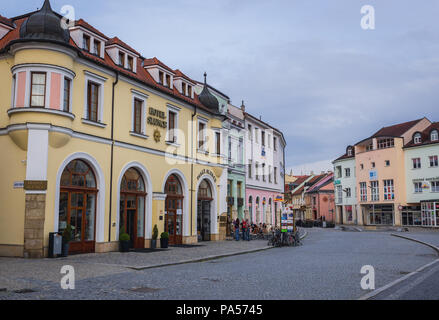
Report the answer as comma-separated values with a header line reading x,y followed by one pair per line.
x,y
368,19
68,281
368,281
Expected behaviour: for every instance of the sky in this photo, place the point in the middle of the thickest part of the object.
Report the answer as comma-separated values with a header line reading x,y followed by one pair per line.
x,y
305,66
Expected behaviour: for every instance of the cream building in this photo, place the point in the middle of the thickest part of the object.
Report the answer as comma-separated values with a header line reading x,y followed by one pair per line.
x,y
96,136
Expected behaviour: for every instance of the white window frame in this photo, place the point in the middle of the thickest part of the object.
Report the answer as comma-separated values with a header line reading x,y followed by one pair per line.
x,y
14,90
417,138
434,135
101,82
434,161
176,110
62,94
416,163
204,133
375,191
347,172
417,187
435,186
143,98
216,140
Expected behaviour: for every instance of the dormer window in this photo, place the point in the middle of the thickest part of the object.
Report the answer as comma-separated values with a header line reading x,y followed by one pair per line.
x,y
161,77
417,138
131,63
97,47
168,80
350,152
121,59
434,135
183,88
189,91
86,42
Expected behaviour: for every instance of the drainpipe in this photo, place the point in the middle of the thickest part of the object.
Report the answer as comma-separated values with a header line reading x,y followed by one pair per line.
x,y
192,168
112,154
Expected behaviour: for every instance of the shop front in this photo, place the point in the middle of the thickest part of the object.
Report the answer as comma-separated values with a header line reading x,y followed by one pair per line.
x,y
379,214
430,213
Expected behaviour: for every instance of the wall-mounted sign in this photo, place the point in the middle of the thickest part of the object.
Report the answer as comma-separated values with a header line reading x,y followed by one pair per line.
x,y
157,118
35,185
373,175
18,184
337,182
206,171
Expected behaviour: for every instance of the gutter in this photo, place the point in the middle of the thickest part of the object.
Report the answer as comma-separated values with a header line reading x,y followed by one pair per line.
x,y
192,169
112,154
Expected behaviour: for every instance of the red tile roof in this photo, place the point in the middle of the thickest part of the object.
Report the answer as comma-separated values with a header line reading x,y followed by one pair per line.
x,y
396,130
178,73
119,42
86,25
156,62
141,75
6,21
425,136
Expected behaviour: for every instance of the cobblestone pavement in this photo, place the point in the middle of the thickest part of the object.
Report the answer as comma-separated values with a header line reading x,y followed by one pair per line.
x,y
18,274
327,266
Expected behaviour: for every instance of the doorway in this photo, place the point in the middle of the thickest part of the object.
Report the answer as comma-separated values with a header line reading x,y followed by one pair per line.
x,y
77,206
132,208
204,211
174,210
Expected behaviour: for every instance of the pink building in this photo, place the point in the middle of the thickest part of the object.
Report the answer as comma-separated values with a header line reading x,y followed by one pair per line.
x,y
320,200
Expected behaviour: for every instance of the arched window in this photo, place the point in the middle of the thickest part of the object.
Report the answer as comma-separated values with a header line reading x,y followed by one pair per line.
x,y
78,174
173,186
132,181
350,152
417,138
434,135
204,190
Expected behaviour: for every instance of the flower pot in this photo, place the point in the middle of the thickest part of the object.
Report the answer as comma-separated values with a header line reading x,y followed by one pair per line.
x,y
124,246
65,249
164,242
153,244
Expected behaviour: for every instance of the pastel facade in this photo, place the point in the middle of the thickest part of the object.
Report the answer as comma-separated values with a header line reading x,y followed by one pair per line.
x,y
265,182
392,175
346,189
96,136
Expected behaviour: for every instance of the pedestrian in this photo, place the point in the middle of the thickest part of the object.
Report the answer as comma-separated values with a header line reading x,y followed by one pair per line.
x,y
237,229
247,230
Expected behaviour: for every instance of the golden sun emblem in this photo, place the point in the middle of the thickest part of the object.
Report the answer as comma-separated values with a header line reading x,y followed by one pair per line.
x,y
157,135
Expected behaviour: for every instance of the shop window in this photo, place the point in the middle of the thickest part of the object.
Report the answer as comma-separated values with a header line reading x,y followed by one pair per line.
x,y
38,89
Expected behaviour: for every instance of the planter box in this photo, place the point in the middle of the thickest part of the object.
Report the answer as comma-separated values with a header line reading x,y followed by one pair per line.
x,y
164,243
124,246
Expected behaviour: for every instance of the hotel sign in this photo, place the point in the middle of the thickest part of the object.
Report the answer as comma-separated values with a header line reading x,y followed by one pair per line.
x,y
157,118
206,171
35,185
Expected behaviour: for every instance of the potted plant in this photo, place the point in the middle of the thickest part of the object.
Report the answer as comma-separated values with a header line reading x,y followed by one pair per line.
x,y
124,240
155,234
164,240
66,238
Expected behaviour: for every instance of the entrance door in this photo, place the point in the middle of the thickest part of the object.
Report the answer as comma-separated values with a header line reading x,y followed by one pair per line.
x,y
174,219
174,210
77,206
203,210
132,208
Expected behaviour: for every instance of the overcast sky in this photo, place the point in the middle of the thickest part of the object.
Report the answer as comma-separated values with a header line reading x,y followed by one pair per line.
x,y
306,66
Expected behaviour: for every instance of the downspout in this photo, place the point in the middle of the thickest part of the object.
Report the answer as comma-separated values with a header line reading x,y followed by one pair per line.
x,y
192,169
112,154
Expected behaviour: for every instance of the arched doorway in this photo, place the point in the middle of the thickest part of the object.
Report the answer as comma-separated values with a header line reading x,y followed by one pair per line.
x,y
132,207
174,210
204,202
250,208
77,205
258,211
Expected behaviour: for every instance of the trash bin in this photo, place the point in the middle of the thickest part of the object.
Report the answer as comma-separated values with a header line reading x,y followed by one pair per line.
x,y
55,244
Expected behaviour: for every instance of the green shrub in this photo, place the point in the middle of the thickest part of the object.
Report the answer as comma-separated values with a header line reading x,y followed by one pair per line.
x,y
164,235
67,234
155,232
124,237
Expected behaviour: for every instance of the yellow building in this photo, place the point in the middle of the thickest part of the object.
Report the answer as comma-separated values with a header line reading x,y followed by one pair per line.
x,y
96,136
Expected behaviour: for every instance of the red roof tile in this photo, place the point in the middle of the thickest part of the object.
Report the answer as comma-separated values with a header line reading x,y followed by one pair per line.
x,y
119,42
178,73
396,130
86,25
156,62
6,21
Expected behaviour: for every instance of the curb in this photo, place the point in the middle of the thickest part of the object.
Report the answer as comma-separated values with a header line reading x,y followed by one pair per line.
x,y
397,281
418,241
207,258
